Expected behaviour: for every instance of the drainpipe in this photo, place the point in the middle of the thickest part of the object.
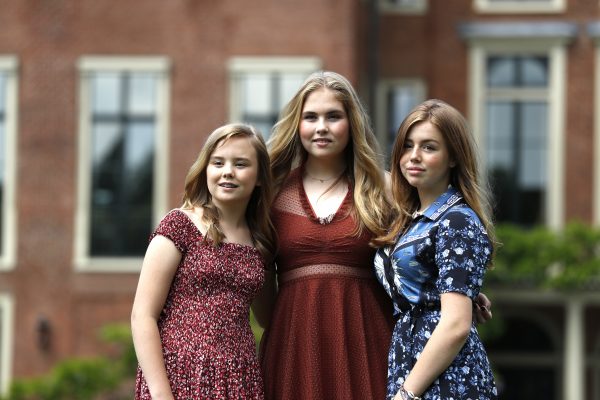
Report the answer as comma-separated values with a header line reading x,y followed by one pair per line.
x,y
372,56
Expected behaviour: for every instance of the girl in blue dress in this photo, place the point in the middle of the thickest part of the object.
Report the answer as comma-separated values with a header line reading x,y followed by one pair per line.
x,y
436,254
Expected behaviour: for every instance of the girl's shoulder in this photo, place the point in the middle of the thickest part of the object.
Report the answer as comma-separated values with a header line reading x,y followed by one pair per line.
x,y
177,226
461,217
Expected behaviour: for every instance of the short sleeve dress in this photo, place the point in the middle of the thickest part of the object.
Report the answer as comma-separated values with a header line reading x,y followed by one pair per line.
x,y
208,345
446,249
332,322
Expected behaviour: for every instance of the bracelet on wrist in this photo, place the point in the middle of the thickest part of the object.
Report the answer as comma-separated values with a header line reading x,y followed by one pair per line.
x,y
408,395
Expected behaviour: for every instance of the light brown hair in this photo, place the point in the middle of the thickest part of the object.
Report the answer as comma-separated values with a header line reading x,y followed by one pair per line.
x,y
196,193
464,174
363,158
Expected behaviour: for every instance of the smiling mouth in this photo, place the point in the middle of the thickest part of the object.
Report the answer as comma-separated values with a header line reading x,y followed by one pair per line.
x,y
322,141
228,185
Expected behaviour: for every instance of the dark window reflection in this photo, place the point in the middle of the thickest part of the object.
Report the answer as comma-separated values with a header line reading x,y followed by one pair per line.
x,y
123,148
533,375
517,138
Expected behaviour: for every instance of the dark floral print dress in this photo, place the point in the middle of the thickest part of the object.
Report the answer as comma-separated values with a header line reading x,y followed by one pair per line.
x,y
446,249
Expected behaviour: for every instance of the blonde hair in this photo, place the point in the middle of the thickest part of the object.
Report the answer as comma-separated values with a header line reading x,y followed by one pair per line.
x,y
196,193
363,159
463,176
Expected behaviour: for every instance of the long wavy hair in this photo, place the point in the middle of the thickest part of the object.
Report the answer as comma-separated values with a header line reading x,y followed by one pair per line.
x,y
464,175
363,159
196,193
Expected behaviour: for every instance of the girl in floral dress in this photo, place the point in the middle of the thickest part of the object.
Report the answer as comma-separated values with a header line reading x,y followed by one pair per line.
x,y
204,265
439,247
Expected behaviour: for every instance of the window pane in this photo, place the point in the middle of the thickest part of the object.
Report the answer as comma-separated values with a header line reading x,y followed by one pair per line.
x,y
106,93
264,94
142,99
516,158
516,137
2,94
519,71
256,93
499,145
524,380
533,136
535,71
289,85
123,146
501,71
401,100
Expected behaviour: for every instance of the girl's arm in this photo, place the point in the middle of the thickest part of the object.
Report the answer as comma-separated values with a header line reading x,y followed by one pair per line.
x,y
262,306
158,269
444,344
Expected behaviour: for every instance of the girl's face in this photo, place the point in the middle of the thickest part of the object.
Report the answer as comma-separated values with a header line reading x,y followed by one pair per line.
x,y
324,126
425,162
232,172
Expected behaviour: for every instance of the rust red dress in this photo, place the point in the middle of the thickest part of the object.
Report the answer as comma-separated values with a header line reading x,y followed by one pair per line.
x,y
208,346
330,332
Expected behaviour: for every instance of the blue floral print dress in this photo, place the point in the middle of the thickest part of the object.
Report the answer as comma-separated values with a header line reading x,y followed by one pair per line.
x,y
445,249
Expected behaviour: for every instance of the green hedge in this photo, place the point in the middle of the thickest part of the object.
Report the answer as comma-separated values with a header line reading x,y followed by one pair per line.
x,y
568,259
84,378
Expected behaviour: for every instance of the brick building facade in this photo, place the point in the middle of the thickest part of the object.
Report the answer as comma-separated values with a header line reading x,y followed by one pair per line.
x,y
104,105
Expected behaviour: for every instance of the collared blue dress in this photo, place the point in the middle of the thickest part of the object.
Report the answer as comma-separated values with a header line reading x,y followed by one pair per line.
x,y
446,249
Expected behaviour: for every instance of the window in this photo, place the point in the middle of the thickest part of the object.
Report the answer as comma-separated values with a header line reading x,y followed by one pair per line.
x,y
6,340
8,113
520,6
397,98
260,87
516,142
122,178
517,111
404,6
526,358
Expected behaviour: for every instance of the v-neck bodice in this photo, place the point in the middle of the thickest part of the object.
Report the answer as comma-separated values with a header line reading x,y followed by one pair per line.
x,y
310,210
304,240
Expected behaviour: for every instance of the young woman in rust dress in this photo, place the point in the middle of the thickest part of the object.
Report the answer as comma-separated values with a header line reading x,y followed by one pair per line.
x,y
331,324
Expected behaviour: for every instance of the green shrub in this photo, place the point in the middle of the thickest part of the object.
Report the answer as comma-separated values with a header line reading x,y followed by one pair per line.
x,y
540,257
82,378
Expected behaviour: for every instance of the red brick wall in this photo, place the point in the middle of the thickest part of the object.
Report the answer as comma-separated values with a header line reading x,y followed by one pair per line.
x,y
198,37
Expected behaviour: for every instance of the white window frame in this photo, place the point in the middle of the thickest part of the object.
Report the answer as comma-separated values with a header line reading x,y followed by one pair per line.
x,y
6,340
382,117
243,65
520,7
86,65
420,7
9,65
594,32
555,50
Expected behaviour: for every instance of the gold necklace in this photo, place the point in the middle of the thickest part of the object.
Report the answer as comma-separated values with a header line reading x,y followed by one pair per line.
x,y
325,179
